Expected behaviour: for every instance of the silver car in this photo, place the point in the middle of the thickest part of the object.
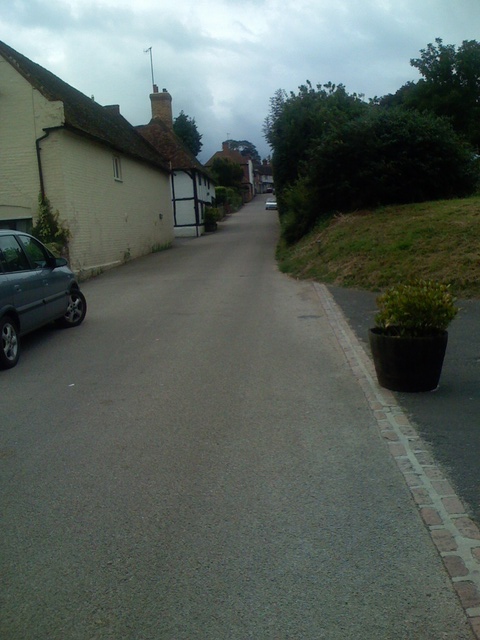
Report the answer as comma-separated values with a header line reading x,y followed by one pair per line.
x,y
35,288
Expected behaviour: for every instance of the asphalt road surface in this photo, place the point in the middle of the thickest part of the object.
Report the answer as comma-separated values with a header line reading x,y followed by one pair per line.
x,y
197,461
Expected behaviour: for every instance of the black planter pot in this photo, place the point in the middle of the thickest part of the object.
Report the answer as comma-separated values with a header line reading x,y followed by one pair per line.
x,y
408,364
210,226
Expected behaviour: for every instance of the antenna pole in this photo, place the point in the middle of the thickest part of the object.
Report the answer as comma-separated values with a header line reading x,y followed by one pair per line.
x,y
149,50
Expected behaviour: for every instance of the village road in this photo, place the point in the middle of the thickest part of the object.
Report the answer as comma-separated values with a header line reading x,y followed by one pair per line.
x,y
197,461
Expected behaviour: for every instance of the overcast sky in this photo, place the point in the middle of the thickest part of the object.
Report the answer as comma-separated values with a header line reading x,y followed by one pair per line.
x,y
222,60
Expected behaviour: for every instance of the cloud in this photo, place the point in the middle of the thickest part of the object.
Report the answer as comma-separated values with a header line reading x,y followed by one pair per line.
x,y
222,60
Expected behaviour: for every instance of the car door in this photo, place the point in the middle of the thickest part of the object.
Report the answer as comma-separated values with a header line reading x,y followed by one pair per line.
x,y
55,281
27,284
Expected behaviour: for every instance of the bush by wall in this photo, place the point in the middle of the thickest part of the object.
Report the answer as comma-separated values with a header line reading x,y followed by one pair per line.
x,y
49,229
228,198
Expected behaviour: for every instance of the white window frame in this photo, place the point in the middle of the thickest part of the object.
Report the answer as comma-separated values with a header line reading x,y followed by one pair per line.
x,y
117,169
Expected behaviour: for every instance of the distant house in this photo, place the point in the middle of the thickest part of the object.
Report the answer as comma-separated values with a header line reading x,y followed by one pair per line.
x,y
265,177
192,185
110,186
248,180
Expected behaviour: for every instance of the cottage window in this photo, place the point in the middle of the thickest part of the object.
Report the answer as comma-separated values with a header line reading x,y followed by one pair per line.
x,y
117,169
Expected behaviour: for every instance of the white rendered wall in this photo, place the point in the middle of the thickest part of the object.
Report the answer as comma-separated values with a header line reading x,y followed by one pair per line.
x,y
111,221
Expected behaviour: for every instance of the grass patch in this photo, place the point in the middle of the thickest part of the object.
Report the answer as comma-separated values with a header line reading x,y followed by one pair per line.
x,y
375,249
157,248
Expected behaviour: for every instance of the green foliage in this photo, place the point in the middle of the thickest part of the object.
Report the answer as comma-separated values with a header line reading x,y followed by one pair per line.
x,y
389,156
384,156
295,125
186,129
418,309
296,210
376,249
334,152
246,148
220,195
296,122
450,86
49,229
234,199
228,198
158,248
212,215
227,173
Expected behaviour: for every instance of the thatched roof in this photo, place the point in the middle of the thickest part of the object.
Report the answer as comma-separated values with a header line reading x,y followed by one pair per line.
x,y
82,114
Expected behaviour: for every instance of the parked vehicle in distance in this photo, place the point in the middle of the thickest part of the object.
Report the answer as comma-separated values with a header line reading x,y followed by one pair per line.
x,y
271,203
35,289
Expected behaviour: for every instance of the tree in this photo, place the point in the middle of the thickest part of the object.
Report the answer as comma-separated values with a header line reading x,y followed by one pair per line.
x,y
389,156
450,86
186,129
246,148
297,121
227,173
386,156
334,152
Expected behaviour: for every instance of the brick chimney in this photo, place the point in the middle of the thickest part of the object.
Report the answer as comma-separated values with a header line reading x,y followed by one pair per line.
x,y
162,106
113,108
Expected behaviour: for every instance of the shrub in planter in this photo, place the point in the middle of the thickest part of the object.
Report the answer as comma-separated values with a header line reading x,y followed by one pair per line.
x,y
228,198
410,338
212,216
417,309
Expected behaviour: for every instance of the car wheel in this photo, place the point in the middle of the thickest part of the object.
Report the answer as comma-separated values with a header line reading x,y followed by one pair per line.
x,y
10,347
76,310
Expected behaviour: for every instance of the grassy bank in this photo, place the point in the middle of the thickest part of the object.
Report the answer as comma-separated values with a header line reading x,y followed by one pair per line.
x,y
374,249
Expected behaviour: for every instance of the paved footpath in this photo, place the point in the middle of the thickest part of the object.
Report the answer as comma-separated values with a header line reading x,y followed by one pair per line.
x,y
449,417
453,532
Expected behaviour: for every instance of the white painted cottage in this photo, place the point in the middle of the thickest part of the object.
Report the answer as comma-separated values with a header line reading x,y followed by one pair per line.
x,y
192,185
109,185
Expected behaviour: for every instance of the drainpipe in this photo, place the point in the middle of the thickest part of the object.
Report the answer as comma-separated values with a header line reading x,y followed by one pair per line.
x,y
39,162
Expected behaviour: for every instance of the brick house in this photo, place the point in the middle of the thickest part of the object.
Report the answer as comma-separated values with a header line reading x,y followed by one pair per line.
x,y
192,186
248,180
110,186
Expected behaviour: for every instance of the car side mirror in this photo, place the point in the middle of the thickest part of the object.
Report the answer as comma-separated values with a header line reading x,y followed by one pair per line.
x,y
58,262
